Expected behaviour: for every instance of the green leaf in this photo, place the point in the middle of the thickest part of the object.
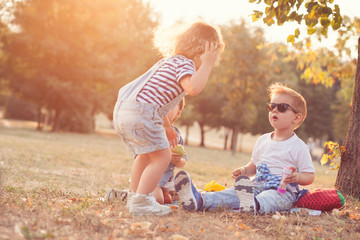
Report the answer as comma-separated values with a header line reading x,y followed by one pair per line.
x,y
324,11
298,18
291,38
336,167
324,21
324,31
269,20
311,31
310,21
292,3
256,15
324,159
299,3
311,6
268,2
292,15
337,21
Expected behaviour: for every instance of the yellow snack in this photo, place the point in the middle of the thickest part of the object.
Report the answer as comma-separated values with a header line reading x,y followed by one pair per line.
x,y
213,186
179,149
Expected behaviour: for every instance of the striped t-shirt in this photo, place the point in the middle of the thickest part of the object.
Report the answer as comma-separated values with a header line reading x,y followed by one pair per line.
x,y
164,85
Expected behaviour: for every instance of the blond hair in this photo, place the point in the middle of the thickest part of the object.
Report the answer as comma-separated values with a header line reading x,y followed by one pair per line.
x,y
299,103
189,42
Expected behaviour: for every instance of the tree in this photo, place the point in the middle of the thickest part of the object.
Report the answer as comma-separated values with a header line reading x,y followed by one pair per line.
x,y
245,70
4,92
318,122
207,107
319,13
72,56
280,68
187,119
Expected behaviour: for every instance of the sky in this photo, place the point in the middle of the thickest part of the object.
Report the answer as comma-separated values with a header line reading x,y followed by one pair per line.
x,y
223,11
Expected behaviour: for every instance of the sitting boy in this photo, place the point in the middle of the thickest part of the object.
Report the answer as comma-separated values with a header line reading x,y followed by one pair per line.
x,y
272,152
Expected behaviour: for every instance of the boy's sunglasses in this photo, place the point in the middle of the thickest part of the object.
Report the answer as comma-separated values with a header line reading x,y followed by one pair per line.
x,y
281,107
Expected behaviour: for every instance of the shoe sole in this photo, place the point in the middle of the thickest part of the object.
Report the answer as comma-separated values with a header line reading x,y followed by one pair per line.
x,y
184,190
162,213
245,192
139,212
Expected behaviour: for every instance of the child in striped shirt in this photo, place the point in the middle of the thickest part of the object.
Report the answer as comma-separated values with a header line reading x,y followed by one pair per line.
x,y
140,114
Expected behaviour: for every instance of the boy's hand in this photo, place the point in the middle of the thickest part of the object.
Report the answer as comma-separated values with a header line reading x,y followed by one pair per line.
x,y
178,160
175,158
210,54
293,177
236,173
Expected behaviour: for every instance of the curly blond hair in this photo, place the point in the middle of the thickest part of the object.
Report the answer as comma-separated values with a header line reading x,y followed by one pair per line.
x,y
189,42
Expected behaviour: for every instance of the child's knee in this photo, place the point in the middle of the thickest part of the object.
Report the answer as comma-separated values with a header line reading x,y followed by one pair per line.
x,y
270,201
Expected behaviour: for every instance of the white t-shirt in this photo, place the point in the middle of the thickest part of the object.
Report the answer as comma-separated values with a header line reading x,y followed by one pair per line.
x,y
292,152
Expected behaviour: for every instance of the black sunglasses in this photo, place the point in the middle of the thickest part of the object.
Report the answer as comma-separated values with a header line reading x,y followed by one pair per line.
x,y
281,107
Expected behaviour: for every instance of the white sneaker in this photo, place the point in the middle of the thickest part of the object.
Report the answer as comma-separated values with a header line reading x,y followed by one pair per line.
x,y
145,204
129,199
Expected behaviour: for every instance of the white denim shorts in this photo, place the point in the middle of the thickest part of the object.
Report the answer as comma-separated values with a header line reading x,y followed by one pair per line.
x,y
140,127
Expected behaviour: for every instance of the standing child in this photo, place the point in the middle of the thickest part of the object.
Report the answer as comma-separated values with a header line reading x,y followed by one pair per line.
x,y
272,152
142,105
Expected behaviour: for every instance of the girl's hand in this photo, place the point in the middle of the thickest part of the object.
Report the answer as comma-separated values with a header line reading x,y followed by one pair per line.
x,y
171,136
210,54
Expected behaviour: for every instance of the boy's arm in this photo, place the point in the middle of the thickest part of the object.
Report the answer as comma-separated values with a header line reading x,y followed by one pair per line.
x,y
304,178
247,170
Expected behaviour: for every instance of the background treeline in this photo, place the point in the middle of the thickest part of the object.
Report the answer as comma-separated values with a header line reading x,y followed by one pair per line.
x,y
63,61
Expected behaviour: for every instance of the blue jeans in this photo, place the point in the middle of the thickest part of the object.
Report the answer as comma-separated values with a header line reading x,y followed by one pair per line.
x,y
168,175
270,200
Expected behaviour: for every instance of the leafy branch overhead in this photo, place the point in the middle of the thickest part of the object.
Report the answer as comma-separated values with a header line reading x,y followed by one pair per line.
x,y
319,13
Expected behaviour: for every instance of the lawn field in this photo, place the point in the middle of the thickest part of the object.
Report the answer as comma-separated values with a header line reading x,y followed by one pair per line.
x,y
53,184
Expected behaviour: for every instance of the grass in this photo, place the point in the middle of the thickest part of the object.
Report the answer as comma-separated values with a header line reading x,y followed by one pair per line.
x,y
52,184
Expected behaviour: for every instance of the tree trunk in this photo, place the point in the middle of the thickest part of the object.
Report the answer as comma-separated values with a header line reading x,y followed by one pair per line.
x,y
227,131
56,122
40,124
202,132
93,121
241,142
348,178
234,138
187,135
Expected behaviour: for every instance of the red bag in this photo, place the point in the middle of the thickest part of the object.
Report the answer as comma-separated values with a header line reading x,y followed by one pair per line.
x,y
324,199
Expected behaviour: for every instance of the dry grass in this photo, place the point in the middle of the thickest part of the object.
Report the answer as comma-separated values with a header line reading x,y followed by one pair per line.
x,y
52,182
